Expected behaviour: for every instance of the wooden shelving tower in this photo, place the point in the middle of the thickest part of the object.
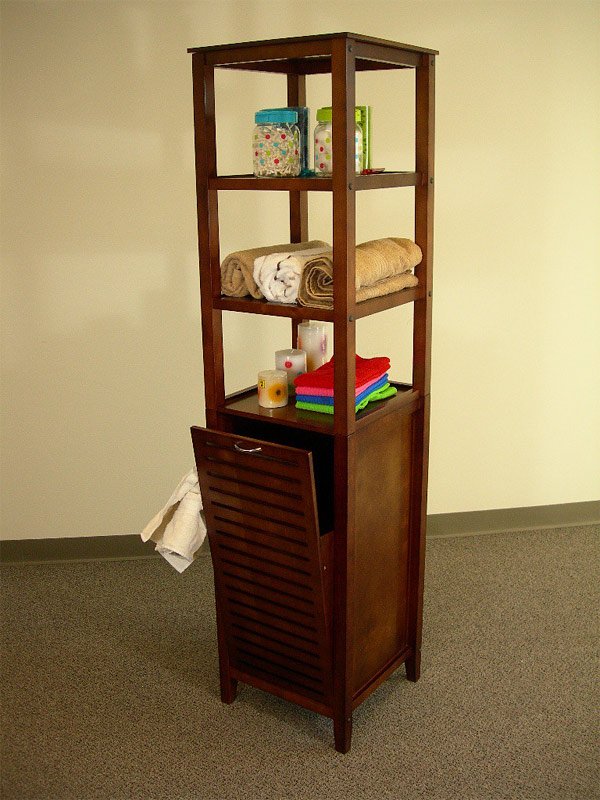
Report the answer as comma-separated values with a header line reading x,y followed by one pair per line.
x,y
316,523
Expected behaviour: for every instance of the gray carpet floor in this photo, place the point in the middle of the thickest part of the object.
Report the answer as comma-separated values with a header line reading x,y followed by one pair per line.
x,y
110,690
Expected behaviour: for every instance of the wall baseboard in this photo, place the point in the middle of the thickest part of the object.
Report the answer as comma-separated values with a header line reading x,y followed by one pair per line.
x,y
84,548
497,520
462,523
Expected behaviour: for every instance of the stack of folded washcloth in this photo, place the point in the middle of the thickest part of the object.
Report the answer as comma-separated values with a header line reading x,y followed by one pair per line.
x,y
314,390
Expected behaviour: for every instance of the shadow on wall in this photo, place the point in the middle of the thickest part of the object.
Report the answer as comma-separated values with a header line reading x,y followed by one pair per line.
x,y
103,373
104,369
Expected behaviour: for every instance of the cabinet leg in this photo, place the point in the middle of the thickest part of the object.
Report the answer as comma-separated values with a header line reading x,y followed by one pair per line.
x,y
342,731
413,666
228,689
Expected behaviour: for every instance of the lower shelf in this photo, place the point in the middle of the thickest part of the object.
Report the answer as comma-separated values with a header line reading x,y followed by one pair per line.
x,y
245,404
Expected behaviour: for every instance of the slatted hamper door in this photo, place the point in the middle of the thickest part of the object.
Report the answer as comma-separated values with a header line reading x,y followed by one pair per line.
x,y
260,507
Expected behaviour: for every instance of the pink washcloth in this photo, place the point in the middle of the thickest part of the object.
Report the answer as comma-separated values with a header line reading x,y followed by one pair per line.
x,y
318,391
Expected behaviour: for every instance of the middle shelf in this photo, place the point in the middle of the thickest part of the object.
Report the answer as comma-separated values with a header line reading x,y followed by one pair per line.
x,y
245,404
249,305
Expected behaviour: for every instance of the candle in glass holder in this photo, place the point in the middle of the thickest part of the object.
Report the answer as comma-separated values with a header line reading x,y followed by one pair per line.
x,y
312,338
272,388
293,362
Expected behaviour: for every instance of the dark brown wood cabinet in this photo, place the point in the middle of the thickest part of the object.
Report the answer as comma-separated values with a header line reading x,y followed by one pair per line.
x,y
316,523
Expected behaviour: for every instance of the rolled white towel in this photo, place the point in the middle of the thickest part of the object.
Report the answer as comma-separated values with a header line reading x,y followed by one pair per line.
x,y
179,528
278,275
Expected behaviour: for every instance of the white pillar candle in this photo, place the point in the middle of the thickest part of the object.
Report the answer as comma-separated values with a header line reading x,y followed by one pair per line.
x,y
272,388
293,362
312,338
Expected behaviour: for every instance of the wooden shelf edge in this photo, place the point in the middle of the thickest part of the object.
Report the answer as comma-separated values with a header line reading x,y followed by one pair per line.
x,y
247,182
252,183
388,180
321,37
248,305
376,304
245,404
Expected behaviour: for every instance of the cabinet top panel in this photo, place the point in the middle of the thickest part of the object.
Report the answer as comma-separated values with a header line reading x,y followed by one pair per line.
x,y
311,54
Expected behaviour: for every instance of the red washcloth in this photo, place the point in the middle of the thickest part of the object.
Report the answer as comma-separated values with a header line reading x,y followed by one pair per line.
x,y
367,370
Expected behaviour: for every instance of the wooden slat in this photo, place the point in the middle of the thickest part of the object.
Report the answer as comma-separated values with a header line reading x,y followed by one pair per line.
x,y
300,592
300,612
276,617
278,657
281,614
248,476
254,451
242,555
286,675
262,537
274,679
284,644
256,510
255,545
274,634
295,673
259,640
299,698
276,627
272,499
260,464
232,516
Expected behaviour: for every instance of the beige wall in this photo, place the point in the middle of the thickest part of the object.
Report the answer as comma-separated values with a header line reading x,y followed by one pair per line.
x,y
102,350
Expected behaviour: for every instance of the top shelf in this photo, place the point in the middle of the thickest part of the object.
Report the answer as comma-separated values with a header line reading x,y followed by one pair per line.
x,y
311,55
382,180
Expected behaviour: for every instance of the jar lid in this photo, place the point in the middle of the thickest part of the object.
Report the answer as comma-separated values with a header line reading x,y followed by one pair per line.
x,y
276,115
325,114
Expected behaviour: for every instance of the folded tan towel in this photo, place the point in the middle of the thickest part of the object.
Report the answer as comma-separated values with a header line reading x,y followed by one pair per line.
x,y
382,258
382,267
237,269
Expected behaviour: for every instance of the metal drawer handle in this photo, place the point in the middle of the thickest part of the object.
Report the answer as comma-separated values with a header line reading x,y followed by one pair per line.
x,y
237,446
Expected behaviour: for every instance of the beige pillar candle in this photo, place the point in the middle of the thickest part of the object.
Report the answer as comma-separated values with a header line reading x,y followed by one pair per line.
x,y
312,338
272,388
293,362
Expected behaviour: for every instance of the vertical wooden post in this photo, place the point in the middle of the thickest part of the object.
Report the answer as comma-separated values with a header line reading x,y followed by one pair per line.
x,y
344,234
344,241
205,144
425,88
208,235
296,96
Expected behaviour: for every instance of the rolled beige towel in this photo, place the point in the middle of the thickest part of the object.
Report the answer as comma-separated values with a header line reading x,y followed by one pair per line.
x,y
383,266
237,269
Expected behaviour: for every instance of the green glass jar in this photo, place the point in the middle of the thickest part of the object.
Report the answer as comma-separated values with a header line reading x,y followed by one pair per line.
x,y
323,141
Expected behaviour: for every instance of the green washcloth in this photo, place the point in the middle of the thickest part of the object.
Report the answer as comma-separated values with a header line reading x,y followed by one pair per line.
x,y
379,394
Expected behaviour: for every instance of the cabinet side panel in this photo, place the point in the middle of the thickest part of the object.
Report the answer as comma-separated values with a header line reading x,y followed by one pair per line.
x,y
382,531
